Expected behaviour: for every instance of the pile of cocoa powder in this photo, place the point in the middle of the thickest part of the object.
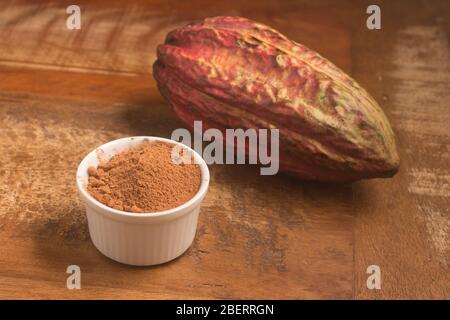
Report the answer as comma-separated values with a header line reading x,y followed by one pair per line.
x,y
144,179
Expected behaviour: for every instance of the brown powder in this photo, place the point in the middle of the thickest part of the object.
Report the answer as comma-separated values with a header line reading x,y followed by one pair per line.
x,y
144,179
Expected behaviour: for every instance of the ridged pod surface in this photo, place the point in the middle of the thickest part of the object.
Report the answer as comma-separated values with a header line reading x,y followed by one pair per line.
x,y
231,72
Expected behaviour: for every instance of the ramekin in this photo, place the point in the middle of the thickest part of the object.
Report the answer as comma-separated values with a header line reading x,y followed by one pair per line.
x,y
140,239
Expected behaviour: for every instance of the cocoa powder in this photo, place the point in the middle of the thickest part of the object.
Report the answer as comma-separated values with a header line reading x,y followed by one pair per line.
x,y
144,179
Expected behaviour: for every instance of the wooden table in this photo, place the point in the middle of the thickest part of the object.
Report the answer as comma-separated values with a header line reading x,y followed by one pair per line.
x,y
64,92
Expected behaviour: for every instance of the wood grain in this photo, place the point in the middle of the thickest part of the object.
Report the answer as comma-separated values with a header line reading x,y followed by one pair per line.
x,y
403,224
62,93
122,38
282,234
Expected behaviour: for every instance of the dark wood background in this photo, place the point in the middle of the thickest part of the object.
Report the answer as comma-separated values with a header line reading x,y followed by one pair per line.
x,y
64,92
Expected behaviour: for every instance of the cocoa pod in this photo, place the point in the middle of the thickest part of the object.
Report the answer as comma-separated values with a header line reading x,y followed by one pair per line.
x,y
231,72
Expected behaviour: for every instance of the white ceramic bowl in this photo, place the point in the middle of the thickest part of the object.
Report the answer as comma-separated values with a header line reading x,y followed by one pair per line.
x,y
140,239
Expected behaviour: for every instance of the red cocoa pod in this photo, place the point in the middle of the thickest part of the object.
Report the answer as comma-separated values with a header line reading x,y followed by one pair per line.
x,y
231,72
